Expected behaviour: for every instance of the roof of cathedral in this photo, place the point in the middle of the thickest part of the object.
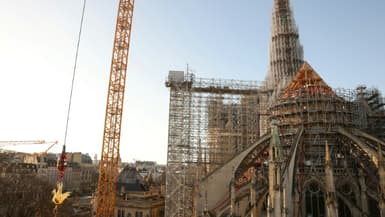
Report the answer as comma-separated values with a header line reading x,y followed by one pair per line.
x,y
306,79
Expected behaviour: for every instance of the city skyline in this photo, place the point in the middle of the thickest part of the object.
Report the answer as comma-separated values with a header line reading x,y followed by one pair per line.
x,y
217,39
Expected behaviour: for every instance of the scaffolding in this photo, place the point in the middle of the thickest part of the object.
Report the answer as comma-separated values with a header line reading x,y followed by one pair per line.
x,y
310,103
373,110
286,51
210,121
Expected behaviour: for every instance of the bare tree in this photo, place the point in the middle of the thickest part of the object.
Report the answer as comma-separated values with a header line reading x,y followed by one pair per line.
x,y
26,196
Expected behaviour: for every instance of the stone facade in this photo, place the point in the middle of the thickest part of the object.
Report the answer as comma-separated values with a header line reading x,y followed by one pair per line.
x,y
318,160
80,174
138,196
330,161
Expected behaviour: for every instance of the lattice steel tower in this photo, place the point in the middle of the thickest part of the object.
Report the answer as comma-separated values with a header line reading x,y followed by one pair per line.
x,y
286,52
108,166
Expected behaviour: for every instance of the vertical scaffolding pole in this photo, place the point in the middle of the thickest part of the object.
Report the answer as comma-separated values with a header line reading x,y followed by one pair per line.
x,y
217,118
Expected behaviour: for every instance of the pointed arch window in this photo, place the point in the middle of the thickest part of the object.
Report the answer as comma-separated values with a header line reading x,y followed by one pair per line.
x,y
314,201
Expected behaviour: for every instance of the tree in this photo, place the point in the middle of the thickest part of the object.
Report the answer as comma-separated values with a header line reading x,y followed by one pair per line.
x,y
25,195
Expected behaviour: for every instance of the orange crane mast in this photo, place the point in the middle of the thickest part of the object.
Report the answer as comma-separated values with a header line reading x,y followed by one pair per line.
x,y
108,169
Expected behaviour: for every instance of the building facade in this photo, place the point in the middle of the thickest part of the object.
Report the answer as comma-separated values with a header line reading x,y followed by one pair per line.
x,y
319,159
80,174
317,150
138,196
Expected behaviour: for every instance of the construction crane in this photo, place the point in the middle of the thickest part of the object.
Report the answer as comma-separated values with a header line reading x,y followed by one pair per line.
x,y
39,154
26,142
108,169
30,142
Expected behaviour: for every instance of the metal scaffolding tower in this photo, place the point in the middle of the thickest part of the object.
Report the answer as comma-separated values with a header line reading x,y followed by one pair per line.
x,y
210,121
286,51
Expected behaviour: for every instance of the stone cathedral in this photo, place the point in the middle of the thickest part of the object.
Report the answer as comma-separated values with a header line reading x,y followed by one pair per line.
x,y
294,147
321,155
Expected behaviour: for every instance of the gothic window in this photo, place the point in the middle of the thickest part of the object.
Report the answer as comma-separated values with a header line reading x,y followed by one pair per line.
x,y
373,208
343,209
348,192
314,201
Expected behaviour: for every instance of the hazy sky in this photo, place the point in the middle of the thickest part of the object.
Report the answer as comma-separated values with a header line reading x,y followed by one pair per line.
x,y
343,40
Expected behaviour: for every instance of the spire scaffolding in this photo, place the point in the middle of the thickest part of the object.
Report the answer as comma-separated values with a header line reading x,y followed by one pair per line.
x,y
286,52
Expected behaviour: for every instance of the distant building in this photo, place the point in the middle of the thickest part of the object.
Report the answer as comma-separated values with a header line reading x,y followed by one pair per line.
x,y
138,196
147,167
79,158
88,171
82,206
7,168
11,156
95,161
80,175
47,170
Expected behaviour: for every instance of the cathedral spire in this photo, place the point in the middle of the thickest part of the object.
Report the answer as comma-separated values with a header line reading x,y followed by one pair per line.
x,y
286,52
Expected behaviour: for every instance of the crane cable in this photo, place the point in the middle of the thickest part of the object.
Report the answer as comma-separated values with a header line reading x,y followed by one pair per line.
x,y
74,71
58,195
